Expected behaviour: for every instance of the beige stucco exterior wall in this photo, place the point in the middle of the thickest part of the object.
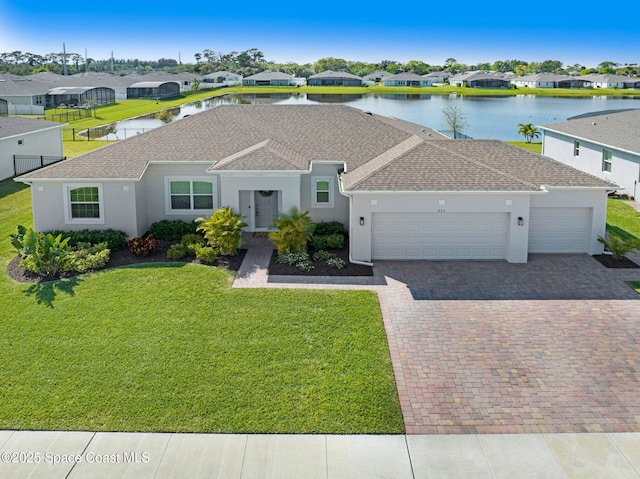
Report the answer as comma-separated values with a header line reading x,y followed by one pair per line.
x,y
340,209
364,204
118,211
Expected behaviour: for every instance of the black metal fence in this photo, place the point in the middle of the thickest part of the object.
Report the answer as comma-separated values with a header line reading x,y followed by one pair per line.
x,y
67,114
100,133
25,163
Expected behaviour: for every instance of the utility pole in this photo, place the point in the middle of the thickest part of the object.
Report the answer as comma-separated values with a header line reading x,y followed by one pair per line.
x,y
64,59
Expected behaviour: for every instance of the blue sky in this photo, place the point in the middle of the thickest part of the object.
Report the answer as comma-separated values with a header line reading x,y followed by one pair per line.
x,y
303,32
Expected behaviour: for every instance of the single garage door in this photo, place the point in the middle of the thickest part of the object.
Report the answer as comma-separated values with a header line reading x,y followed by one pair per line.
x,y
438,236
559,230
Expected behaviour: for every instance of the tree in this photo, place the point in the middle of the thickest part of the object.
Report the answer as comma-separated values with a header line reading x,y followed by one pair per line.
x,y
607,67
416,66
455,119
528,131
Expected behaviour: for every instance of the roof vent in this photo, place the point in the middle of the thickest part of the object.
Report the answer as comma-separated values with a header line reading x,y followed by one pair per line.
x,y
594,123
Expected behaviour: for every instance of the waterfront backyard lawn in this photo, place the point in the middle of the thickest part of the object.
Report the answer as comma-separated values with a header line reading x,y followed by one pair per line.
x,y
171,347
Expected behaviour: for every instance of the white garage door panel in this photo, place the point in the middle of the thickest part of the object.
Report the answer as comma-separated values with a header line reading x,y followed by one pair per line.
x,y
438,236
559,230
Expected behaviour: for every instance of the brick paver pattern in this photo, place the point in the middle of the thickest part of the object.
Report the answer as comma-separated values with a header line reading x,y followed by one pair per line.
x,y
491,366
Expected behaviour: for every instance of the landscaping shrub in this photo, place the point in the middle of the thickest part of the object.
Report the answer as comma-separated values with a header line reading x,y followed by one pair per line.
x,y
143,246
293,231
619,247
334,241
206,254
336,263
114,239
326,228
300,260
177,251
87,256
171,230
222,230
322,255
190,241
41,253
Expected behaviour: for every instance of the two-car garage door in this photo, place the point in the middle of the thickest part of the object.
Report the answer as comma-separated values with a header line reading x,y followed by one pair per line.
x,y
475,235
438,236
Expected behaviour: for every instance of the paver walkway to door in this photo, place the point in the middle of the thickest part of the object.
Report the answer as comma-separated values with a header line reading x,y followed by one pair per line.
x,y
550,346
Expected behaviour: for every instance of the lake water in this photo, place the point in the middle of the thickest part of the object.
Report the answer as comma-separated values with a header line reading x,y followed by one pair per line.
x,y
487,117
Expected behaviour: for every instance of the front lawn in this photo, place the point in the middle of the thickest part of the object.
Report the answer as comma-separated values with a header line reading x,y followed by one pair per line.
x,y
622,220
171,347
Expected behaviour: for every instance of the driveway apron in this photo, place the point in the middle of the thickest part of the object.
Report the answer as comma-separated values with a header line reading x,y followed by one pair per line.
x,y
550,346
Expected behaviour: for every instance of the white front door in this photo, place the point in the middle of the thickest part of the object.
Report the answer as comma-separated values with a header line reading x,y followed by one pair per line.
x,y
265,209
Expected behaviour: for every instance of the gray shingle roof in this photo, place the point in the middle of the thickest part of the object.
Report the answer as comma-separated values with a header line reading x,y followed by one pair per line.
x,y
269,75
332,74
381,153
18,125
470,165
617,130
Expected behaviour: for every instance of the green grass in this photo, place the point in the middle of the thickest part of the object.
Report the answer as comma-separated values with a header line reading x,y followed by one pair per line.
x,y
171,347
635,285
622,220
75,148
534,146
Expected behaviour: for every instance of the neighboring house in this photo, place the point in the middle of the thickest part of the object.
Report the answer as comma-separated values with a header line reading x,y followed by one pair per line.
x,y
481,80
269,78
23,137
539,80
604,144
157,90
434,78
375,77
4,107
80,96
607,81
405,79
24,95
402,190
330,78
224,77
184,79
574,82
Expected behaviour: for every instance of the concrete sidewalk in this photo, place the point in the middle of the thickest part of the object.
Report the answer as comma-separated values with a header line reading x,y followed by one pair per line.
x,y
53,455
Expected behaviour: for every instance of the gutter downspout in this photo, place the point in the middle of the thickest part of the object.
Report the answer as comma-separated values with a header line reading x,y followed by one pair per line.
x,y
351,260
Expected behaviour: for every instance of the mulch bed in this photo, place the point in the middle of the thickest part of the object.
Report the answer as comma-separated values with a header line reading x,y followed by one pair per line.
x,y
122,257
608,261
320,268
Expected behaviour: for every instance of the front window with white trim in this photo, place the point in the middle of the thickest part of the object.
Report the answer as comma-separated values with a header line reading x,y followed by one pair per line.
x,y
322,187
83,203
190,195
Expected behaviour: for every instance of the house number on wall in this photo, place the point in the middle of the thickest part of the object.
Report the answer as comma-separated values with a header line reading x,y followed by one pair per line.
x,y
441,210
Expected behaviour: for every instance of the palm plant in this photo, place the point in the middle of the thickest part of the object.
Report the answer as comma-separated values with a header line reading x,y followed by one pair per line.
x,y
528,131
222,230
293,231
619,247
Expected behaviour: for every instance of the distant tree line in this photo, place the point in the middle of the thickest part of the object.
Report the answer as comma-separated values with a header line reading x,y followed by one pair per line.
x,y
252,61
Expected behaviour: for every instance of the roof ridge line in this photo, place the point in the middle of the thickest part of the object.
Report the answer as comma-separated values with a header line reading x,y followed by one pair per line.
x,y
366,170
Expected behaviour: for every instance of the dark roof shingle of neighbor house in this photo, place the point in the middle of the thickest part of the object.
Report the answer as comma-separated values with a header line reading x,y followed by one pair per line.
x,y
332,74
18,125
380,153
619,130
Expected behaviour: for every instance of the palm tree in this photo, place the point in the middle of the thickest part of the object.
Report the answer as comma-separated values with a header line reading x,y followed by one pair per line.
x,y
528,131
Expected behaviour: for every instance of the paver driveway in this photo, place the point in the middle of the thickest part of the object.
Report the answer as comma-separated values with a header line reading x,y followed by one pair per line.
x,y
490,347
